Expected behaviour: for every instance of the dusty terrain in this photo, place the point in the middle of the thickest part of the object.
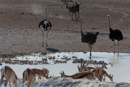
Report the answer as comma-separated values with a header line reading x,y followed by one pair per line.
x,y
19,33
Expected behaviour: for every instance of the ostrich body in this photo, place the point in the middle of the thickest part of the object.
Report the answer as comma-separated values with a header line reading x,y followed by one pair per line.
x,y
89,38
115,35
45,26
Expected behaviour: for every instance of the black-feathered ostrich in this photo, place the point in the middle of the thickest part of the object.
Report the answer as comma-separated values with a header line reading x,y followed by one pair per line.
x,y
115,35
45,26
89,38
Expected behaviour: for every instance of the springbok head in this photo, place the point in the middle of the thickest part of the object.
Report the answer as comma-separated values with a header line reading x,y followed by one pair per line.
x,y
111,77
82,66
62,73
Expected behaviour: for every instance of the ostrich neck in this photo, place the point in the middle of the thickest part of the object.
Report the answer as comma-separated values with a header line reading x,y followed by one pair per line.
x,y
45,13
109,22
109,25
82,34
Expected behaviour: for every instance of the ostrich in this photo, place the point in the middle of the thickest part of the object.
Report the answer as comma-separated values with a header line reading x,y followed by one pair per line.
x,y
115,35
45,26
89,38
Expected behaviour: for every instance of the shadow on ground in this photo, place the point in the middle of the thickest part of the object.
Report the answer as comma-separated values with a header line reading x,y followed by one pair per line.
x,y
52,49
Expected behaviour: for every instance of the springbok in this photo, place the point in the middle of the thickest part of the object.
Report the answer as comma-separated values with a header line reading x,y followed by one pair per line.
x,y
9,75
29,76
73,9
39,73
99,72
79,75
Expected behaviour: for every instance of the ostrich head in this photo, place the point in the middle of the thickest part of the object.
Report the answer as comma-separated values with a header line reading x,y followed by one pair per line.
x,y
108,15
45,7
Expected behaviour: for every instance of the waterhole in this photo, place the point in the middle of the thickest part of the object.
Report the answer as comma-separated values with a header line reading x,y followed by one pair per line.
x,y
118,65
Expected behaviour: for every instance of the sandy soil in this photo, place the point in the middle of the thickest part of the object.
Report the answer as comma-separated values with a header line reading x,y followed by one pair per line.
x,y
19,33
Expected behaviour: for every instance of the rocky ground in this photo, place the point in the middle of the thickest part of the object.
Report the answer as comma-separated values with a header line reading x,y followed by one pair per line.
x,y
69,82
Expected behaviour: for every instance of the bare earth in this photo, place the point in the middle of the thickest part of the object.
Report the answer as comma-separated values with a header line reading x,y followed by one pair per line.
x,y
19,33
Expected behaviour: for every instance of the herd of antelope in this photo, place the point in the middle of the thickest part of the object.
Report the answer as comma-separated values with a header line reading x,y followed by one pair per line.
x,y
30,75
90,73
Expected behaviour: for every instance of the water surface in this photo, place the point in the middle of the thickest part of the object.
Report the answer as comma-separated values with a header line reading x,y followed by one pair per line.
x,y
120,69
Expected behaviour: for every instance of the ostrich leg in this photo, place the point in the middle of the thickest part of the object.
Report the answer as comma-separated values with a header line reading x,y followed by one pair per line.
x,y
118,48
90,47
43,38
47,38
114,46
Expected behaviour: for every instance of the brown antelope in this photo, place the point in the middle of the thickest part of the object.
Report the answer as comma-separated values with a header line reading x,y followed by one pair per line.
x,y
9,75
29,76
39,73
98,71
73,9
79,75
